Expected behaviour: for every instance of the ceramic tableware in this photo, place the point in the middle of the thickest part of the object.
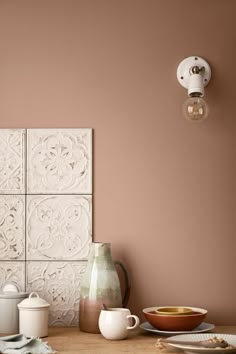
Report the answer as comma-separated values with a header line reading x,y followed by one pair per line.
x,y
115,323
230,338
203,327
175,323
34,316
100,285
10,297
174,310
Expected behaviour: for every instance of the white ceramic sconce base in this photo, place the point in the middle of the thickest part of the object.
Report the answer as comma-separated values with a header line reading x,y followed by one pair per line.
x,y
185,67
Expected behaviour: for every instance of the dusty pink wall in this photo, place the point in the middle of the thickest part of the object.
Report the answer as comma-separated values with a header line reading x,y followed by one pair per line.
x,y
164,188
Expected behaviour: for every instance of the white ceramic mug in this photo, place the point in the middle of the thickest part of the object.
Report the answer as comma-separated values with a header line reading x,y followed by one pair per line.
x,y
115,323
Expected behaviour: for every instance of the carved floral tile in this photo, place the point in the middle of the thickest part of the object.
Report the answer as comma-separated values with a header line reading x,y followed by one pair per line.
x,y
59,161
12,227
58,283
12,161
58,227
13,272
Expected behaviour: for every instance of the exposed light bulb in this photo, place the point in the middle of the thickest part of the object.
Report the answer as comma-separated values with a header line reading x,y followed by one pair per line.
x,y
194,73
195,109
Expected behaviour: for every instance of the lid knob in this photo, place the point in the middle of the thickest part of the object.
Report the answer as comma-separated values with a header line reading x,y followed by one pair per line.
x,y
10,287
33,294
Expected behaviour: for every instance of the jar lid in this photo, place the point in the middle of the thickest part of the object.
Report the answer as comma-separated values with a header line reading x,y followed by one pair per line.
x,y
10,290
33,302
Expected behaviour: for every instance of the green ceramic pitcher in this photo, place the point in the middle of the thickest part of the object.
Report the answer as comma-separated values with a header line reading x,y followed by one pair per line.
x,y
100,285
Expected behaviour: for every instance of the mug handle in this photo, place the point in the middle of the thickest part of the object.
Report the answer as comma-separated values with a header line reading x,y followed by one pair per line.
x,y
127,283
136,319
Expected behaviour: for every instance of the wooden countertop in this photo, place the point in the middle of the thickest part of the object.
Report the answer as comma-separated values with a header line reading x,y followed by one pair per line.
x,y
72,341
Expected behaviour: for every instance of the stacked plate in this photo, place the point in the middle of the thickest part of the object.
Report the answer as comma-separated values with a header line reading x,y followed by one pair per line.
x,y
203,327
190,348
175,320
184,325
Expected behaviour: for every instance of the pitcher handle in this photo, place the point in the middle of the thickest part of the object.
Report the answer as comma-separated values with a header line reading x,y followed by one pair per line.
x,y
127,283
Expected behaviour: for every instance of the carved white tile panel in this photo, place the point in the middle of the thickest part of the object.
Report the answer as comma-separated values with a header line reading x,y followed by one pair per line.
x,y
13,272
12,161
58,227
59,284
12,227
59,161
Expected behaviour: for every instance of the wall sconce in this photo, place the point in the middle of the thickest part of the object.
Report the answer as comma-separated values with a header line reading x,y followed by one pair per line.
x,y
194,74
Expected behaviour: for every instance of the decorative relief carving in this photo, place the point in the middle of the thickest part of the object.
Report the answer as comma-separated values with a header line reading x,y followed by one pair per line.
x,y
12,155
60,161
58,214
12,227
13,272
58,227
59,284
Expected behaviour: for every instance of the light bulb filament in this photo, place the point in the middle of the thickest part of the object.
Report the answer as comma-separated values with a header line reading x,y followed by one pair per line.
x,y
195,109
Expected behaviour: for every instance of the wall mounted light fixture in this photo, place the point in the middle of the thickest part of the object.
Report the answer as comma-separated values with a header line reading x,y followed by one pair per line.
x,y
194,74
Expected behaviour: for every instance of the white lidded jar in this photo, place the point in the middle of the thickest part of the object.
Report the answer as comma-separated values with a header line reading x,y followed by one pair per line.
x,y
10,296
34,316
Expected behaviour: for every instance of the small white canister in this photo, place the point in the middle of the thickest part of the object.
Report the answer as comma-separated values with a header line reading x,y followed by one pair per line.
x,y
10,296
34,316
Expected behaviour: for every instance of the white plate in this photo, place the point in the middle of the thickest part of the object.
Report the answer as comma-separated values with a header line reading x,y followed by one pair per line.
x,y
203,327
230,338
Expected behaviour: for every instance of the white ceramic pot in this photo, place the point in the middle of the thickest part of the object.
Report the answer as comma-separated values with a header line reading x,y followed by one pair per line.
x,y
10,296
34,316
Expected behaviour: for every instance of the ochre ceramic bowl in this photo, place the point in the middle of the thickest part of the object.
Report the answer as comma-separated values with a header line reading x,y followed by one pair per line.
x,y
174,310
175,322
